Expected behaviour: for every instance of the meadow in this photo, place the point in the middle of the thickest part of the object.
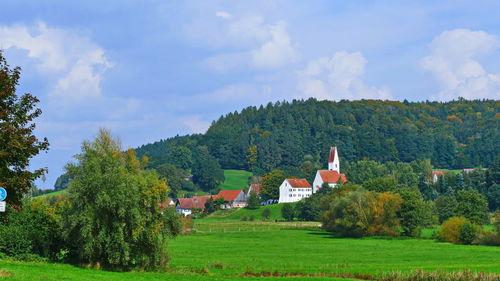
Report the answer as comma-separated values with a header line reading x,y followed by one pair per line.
x,y
287,250
235,179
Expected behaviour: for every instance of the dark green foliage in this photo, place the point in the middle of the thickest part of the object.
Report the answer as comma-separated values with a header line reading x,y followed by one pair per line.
x,y
413,213
283,134
446,207
266,214
288,212
468,233
310,209
18,144
381,185
206,171
271,183
175,179
179,156
253,201
31,231
210,206
364,170
473,206
62,182
493,196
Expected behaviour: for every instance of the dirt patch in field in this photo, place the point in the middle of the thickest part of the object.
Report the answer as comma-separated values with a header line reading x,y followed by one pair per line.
x,y
4,273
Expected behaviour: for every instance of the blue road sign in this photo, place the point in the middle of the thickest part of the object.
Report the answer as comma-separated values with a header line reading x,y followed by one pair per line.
x,y
3,193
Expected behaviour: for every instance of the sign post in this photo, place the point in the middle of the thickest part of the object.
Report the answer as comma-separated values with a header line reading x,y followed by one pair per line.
x,y
3,195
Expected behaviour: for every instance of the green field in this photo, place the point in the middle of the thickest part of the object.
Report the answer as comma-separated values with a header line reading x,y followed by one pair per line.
x,y
55,193
302,251
448,170
235,179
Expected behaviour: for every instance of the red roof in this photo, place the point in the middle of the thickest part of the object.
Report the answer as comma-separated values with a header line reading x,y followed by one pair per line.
x,y
331,157
197,202
298,183
438,173
332,176
229,195
256,187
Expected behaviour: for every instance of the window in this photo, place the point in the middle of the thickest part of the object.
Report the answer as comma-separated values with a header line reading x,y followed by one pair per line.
x,y
290,195
290,190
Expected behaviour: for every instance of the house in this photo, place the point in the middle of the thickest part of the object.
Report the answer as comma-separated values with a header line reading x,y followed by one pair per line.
x,y
232,198
167,203
186,206
332,176
468,171
293,190
436,175
255,187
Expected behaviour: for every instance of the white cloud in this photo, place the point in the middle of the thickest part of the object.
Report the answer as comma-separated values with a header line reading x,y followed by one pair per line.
x,y
224,15
338,77
250,39
195,124
277,51
454,63
75,61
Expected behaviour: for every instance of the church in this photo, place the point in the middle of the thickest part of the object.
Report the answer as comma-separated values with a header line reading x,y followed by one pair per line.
x,y
293,190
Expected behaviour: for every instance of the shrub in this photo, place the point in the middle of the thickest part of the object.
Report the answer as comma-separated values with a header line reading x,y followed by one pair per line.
x,y
251,218
288,212
266,214
468,233
458,230
244,218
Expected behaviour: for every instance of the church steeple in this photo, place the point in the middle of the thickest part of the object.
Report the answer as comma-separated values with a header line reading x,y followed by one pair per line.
x,y
333,160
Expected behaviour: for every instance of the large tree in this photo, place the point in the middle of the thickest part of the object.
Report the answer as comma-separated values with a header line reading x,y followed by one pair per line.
x,y
18,144
271,184
115,217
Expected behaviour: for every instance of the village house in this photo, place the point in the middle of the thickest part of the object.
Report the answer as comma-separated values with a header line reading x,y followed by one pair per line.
x,y
186,206
254,187
293,190
232,198
436,175
332,176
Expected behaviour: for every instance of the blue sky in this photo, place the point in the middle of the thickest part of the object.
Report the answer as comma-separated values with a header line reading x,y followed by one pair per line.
x,y
154,69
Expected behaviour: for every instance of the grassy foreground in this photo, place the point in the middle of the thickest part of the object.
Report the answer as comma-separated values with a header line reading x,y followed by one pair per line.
x,y
228,256
235,180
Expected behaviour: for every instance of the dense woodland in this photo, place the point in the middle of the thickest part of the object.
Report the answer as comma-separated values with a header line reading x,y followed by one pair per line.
x,y
296,135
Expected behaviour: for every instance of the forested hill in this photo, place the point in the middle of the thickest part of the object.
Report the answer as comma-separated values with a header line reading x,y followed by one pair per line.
x,y
455,134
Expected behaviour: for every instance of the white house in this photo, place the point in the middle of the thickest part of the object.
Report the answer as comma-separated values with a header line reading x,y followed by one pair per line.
x,y
293,190
332,176
436,175
186,206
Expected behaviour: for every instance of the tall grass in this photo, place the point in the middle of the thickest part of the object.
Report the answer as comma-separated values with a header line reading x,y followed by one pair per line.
x,y
420,275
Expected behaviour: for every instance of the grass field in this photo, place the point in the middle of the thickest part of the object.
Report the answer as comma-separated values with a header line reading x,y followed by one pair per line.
x,y
55,193
226,256
235,179
448,170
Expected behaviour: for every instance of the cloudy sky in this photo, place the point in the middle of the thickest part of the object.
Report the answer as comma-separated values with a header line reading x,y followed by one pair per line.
x,y
154,69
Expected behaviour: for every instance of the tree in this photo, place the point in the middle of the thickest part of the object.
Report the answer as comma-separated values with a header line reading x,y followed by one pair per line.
x,y
179,156
62,182
325,188
413,213
266,214
210,206
18,144
115,216
446,207
381,185
253,201
288,212
472,205
206,171
271,183
173,177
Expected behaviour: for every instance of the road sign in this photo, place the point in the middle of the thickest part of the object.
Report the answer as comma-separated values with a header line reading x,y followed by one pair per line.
x,y
3,193
2,206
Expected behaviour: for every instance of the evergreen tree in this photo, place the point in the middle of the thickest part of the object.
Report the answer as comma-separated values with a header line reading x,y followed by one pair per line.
x,y
271,183
206,171
288,212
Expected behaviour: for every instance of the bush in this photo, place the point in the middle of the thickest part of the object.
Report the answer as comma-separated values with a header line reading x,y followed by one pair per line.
x,y
266,214
458,230
468,233
288,212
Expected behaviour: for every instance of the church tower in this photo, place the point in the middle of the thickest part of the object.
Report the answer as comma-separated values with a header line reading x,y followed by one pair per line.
x,y
333,160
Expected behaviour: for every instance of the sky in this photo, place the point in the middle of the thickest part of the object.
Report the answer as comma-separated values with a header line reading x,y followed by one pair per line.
x,y
149,70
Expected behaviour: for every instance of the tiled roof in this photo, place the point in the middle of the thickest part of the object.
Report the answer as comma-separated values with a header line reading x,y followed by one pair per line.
x,y
438,173
298,183
197,202
332,176
256,187
229,195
